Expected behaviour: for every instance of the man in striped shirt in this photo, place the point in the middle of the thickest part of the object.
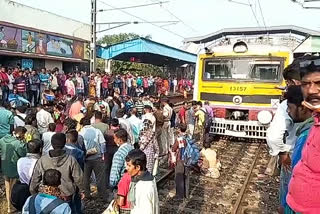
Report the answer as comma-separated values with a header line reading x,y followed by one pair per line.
x,y
139,106
118,161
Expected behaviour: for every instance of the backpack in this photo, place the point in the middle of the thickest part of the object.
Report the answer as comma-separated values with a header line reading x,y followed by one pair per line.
x,y
191,154
48,209
207,119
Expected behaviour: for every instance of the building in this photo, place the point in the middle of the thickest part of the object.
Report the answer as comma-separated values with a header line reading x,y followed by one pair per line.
x,y
33,38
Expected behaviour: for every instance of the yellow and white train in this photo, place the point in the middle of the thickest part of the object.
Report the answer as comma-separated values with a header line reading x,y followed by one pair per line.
x,y
239,71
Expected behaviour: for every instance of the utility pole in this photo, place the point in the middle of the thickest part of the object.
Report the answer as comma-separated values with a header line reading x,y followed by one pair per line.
x,y
93,54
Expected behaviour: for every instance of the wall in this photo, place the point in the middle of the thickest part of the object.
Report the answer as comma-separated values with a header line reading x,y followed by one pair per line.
x,y
30,17
50,64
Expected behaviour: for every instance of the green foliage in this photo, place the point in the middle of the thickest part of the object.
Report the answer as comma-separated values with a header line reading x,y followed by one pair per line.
x,y
121,67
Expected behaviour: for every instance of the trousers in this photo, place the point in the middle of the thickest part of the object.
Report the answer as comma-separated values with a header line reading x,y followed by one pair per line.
x,y
97,166
9,182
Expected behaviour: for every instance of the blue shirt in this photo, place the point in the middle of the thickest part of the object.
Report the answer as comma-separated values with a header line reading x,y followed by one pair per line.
x,y
42,201
118,163
78,154
44,78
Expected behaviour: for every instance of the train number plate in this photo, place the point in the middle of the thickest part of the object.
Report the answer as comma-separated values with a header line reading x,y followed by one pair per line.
x,y
235,133
237,88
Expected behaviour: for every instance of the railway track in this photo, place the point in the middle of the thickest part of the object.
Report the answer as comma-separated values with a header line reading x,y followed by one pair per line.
x,y
241,188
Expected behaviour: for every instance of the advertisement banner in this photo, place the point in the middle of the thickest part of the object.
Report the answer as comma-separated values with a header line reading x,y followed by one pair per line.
x,y
41,43
58,46
10,38
86,51
28,41
78,49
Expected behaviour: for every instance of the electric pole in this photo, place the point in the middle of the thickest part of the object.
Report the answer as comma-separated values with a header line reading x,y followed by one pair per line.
x,y
93,53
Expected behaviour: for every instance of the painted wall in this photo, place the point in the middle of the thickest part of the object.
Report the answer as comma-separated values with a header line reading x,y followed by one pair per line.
x,y
30,17
50,64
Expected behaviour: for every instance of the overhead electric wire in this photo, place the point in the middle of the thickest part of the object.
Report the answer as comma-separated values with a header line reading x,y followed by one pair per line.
x,y
135,6
263,20
172,14
254,14
241,3
142,19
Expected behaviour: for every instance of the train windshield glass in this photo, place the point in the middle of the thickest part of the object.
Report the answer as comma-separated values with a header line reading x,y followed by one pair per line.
x,y
251,69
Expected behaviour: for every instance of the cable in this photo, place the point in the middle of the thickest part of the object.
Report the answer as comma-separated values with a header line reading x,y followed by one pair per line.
x,y
254,14
263,20
142,19
135,6
173,15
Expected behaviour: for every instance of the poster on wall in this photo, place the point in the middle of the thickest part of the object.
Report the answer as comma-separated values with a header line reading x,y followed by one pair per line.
x,y
58,46
26,63
10,38
41,44
78,49
28,41
86,51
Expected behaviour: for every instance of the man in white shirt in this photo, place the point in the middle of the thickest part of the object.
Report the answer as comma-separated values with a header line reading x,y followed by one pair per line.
x,y
44,118
143,193
20,116
26,164
149,116
46,138
125,124
135,124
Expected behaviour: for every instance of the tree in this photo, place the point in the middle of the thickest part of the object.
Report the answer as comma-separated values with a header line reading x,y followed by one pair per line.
x,y
121,67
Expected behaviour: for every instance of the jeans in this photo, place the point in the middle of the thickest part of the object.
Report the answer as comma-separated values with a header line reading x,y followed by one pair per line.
x,y
105,92
182,180
108,156
97,166
5,93
75,204
34,98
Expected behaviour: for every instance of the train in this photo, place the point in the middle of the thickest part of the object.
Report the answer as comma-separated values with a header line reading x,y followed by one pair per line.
x,y
241,74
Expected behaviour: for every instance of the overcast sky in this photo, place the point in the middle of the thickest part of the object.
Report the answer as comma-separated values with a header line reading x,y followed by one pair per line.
x,y
199,17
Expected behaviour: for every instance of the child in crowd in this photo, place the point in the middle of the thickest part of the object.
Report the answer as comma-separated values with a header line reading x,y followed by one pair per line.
x,y
210,165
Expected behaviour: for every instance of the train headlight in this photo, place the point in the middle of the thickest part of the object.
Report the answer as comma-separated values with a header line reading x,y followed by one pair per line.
x,y
264,117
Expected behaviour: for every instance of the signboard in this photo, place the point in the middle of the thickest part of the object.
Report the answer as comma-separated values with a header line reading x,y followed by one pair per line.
x,y
28,41
78,49
41,43
58,46
15,39
10,38
27,63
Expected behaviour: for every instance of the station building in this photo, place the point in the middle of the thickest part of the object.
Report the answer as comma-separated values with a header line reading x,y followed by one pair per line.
x,y
34,38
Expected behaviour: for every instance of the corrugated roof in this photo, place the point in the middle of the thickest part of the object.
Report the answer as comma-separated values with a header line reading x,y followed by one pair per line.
x,y
254,31
147,51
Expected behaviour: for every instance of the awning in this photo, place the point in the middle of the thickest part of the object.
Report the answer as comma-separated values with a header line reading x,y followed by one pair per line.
x,y
143,50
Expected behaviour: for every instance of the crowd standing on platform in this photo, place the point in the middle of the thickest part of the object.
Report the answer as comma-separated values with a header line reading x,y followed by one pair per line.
x,y
62,133
293,137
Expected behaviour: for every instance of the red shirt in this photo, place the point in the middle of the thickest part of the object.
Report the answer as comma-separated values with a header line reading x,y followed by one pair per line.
x,y
182,114
123,189
304,187
105,82
4,79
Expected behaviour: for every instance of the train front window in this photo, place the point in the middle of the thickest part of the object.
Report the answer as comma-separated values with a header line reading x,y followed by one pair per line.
x,y
251,69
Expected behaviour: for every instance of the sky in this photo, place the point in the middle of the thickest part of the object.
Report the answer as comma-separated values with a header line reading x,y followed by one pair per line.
x,y
196,17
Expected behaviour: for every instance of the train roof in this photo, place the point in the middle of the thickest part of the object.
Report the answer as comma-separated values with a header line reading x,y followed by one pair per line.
x,y
284,29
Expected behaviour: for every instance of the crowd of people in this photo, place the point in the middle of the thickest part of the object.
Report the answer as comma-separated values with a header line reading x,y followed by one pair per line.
x,y
293,136
54,150
39,87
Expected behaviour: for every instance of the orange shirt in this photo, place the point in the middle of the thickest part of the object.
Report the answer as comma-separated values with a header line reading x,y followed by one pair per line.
x,y
75,109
